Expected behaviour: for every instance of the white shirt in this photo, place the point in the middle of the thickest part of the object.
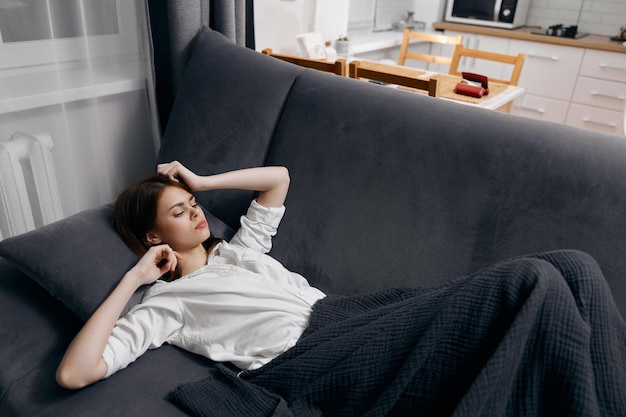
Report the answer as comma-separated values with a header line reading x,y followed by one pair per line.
x,y
243,307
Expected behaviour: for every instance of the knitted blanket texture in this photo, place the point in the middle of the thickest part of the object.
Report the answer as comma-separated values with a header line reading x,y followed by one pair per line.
x,y
537,335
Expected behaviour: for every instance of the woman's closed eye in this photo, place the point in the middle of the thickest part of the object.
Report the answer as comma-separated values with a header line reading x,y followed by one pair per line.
x,y
193,205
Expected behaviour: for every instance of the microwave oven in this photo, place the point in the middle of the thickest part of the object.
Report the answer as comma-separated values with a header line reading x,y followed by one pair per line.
x,y
508,14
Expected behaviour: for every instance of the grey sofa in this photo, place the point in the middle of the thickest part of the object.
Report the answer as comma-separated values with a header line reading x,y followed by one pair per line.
x,y
389,189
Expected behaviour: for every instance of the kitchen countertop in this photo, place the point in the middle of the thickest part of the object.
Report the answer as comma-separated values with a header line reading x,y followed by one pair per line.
x,y
591,41
362,41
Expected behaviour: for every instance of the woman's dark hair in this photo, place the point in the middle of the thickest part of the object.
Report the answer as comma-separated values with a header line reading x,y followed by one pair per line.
x,y
135,213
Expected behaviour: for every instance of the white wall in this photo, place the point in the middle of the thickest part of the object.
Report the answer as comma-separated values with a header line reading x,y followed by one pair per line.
x,y
277,22
331,18
600,17
429,11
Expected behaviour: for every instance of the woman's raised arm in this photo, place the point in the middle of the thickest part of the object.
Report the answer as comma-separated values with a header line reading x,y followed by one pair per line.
x,y
82,363
272,182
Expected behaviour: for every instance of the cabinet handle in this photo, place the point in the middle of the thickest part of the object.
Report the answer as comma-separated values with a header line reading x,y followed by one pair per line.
x,y
612,125
595,93
534,109
602,65
551,58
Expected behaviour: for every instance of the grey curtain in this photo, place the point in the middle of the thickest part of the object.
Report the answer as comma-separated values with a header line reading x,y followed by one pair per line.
x,y
174,24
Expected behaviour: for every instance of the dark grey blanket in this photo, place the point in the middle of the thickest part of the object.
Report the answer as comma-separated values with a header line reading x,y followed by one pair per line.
x,y
532,336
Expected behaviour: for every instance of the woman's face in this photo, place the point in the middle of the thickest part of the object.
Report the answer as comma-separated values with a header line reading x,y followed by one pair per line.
x,y
180,222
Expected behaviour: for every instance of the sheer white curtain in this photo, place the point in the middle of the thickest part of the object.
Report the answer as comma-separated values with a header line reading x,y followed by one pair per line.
x,y
80,72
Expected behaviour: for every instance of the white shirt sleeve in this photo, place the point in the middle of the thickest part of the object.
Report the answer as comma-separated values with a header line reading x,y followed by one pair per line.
x,y
258,226
146,326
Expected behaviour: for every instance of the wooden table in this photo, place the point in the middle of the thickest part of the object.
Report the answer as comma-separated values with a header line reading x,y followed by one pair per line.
x,y
500,97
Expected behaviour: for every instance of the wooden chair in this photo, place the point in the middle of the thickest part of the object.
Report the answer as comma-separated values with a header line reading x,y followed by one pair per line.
x,y
517,61
426,37
337,67
391,74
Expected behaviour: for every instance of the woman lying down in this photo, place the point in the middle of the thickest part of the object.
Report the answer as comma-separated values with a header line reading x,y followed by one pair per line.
x,y
531,336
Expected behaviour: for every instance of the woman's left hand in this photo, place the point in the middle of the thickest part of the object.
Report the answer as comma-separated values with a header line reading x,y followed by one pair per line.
x,y
178,172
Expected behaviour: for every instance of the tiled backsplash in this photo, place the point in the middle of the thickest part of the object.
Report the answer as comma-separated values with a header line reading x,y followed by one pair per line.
x,y
601,17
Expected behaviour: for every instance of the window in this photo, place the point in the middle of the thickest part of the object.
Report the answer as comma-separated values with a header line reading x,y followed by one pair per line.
x,y
22,21
35,32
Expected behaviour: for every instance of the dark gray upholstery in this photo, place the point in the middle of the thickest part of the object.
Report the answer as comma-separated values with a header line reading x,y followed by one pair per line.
x,y
235,131
80,259
388,189
407,187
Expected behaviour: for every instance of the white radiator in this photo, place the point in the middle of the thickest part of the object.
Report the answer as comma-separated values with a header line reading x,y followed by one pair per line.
x,y
29,196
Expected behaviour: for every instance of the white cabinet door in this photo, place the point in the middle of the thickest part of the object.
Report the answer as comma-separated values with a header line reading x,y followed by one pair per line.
x,y
600,93
549,70
604,65
542,108
594,118
484,43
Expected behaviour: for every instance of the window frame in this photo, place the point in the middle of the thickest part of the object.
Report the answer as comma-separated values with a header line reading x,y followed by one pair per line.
x,y
53,51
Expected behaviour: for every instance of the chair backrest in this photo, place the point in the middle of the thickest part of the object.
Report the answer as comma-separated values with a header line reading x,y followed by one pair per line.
x,y
517,61
337,67
392,74
426,37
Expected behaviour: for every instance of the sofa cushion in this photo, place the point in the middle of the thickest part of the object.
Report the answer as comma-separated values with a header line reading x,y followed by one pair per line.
x,y
80,259
225,113
141,390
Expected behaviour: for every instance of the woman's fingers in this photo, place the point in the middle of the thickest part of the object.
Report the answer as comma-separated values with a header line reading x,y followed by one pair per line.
x,y
172,170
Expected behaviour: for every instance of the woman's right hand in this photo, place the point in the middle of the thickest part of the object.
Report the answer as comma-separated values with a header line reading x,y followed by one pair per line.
x,y
154,263
82,363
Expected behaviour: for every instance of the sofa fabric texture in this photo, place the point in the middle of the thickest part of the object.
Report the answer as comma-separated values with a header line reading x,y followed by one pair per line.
x,y
388,189
80,259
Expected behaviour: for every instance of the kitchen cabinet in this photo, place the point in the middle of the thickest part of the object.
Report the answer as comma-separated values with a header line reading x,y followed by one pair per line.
x,y
549,77
600,93
549,73
579,82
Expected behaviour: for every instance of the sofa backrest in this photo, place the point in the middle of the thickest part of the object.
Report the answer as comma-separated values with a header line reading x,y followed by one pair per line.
x,y
391,188
224,115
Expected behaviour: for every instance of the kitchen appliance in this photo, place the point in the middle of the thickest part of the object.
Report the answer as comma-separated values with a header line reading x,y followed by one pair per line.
x,y
621,35
562,31
508,14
